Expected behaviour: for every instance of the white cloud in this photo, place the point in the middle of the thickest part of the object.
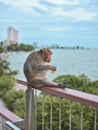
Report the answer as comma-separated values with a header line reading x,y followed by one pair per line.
x,y
62,2
78,14
57,11
25,5
81,14
58,29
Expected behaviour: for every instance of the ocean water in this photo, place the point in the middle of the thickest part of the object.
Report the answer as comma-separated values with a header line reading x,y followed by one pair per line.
x,y
75,62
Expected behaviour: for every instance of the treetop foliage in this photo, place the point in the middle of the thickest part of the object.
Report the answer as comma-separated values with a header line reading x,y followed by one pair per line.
x,y
5,69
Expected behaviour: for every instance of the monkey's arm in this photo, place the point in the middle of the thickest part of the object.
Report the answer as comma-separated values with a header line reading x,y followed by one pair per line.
x,y
46,67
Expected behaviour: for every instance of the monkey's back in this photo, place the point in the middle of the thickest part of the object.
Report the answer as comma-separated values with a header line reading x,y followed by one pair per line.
x,y
30,65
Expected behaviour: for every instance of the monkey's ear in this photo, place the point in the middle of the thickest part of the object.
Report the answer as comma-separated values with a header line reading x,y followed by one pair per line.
x,y
41,50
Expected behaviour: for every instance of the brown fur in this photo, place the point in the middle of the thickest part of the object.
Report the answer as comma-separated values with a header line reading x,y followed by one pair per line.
x,y
35,68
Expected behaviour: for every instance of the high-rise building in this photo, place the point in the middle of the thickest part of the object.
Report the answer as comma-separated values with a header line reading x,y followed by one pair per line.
x,y
12,36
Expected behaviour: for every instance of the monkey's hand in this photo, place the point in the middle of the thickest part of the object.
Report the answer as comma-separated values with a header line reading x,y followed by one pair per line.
x,y
53,68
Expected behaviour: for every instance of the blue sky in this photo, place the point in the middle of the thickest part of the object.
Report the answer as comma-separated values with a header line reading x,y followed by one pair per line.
x,y
47,22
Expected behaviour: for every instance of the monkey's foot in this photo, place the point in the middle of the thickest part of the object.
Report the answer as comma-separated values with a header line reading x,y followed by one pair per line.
x,y
62,85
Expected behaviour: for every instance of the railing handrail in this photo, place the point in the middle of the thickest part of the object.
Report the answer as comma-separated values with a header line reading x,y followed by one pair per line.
x,y
73,95
8,115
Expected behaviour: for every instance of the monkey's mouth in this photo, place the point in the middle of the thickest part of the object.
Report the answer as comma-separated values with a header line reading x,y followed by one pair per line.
x,y
48,60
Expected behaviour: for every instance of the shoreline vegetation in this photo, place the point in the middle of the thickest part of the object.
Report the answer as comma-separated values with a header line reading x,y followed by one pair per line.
x,y
27,47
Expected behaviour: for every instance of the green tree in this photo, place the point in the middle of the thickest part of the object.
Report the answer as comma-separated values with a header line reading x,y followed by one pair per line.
x,y
24,47
15,101
81,83
20,47
7,81
5,69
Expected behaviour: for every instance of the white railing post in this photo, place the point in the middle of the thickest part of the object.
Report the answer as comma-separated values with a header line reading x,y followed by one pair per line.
x,y
81,117
3,124
95,120
50,112
70,117
43,124
60,113
30,109
35,109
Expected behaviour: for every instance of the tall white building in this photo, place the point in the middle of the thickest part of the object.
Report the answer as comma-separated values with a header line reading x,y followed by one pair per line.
x,y
12,36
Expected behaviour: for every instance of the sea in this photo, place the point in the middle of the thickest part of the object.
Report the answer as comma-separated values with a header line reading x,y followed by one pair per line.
x,y
67,61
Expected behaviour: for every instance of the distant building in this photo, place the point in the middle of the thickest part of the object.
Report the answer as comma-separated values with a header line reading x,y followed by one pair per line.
x,y
12,36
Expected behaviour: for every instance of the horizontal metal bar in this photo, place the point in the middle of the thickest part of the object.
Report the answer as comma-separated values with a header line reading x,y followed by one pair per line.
x,y
11,126
20,124
8,115
74,95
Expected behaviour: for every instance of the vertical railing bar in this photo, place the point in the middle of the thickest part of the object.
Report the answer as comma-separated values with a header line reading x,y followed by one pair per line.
x,y
50,112
35,109
81,117
95,120
3,124
30,109
60,115
70,116
43,112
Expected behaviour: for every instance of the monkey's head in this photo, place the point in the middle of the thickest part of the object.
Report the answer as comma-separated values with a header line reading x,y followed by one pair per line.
x,y
46,54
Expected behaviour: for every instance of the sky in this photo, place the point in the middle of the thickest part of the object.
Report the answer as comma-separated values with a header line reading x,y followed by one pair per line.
x,y
51,22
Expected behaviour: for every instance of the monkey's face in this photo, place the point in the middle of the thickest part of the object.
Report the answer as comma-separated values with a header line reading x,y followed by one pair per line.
x,y
47,57
46,54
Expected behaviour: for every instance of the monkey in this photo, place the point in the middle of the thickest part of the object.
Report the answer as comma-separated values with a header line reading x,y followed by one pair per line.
x,y
36,67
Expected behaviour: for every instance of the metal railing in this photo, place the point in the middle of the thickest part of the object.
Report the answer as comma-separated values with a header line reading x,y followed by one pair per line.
x,y
58,113
85,103
10,121
10,126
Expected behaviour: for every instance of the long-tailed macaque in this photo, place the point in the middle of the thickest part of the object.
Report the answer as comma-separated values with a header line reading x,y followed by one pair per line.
x,y
35,68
